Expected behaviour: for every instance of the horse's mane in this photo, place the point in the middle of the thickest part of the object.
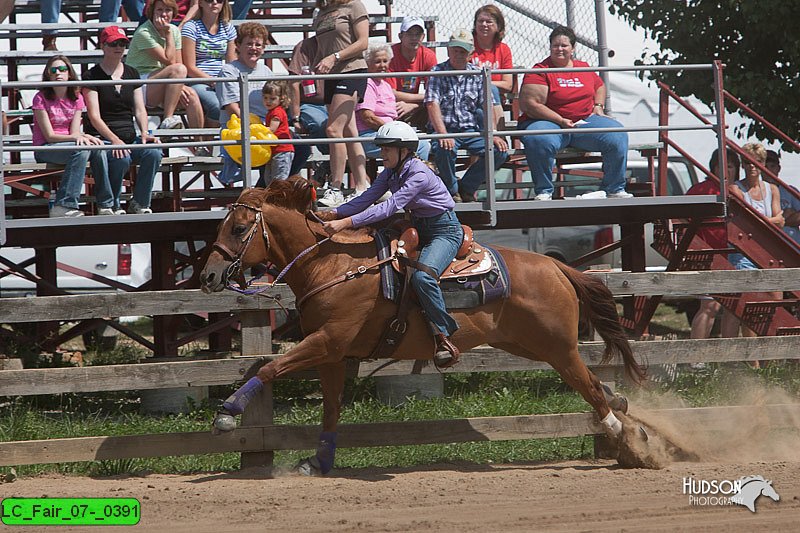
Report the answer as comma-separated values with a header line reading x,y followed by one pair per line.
x,y
748,479
297,193
294,192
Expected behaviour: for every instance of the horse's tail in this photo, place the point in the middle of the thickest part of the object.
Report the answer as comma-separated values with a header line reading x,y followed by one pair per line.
x,y
601,310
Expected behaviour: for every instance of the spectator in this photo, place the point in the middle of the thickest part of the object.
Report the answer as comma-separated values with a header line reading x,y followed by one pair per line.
x,y
763,198
409,55
276,100
308,113
186,10
569,100
716,237
155,52
790,200
111,110
211,28
342,28
57,118
452,102
488,30
251,38
109,11
378,107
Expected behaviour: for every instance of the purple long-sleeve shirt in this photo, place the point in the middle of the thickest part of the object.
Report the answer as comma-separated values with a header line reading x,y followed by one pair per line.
x,y
416,188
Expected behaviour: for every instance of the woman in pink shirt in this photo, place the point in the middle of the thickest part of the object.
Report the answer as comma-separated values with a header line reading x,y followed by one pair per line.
x,y
379,104
57,116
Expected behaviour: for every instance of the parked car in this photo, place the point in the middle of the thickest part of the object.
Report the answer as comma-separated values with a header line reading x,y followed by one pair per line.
x,y
128,264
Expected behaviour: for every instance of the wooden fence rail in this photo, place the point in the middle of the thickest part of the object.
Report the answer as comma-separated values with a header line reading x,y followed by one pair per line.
x,y
263,438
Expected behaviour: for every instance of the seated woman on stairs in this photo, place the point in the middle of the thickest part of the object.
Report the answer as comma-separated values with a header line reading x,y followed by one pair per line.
x,y
155,51
57,118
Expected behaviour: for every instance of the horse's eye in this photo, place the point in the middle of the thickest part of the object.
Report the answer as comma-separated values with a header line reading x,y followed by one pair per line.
x,y
238,229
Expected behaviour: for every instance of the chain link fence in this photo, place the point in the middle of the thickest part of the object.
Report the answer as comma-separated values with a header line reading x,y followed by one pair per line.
x,y
528,24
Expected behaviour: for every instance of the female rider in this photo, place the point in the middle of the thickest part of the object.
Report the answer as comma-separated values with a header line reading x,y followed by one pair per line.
x,y
415,187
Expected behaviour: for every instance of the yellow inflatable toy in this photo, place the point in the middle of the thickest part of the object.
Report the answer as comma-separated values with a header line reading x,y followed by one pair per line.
x,y
260,154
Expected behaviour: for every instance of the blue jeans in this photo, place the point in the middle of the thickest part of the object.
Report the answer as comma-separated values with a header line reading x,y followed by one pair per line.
x,y
495,101
475,175
69,190
148,160
541,150
208,99
240,8
373,151
109,9
439,237
314,119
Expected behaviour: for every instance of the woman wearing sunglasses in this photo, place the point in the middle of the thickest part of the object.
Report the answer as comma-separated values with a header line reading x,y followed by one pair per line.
x,y
111,110
57,115
208,43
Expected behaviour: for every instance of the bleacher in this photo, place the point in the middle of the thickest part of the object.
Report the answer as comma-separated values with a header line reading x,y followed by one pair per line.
x,y
31,182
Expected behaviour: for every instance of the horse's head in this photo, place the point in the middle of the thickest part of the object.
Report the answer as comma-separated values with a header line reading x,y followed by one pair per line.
x,y
243,238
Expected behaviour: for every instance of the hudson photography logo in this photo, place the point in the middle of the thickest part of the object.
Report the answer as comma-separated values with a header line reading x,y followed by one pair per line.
x,y
743,491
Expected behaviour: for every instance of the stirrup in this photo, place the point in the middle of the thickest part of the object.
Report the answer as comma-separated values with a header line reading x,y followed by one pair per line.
x,y
447,354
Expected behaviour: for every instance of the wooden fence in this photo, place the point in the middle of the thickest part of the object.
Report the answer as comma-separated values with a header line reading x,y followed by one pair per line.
x,y
258,437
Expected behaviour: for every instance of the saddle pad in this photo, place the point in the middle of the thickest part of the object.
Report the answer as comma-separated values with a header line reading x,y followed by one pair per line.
x,y
462,292
480,289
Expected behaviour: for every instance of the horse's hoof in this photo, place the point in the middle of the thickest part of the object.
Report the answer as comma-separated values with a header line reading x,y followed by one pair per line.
x,y
309,467
223,423
643,433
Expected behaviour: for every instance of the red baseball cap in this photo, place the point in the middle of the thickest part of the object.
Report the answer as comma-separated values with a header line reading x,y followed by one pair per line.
x,y
112,34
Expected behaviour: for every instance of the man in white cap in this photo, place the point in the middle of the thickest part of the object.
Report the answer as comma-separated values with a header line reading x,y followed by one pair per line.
x,y
409,55
452,103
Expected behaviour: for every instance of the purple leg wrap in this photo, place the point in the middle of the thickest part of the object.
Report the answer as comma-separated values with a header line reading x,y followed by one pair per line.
x,y
237,401
326,450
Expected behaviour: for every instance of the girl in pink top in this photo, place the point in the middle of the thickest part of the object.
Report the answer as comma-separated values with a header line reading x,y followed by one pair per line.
x,y
488,31
57,115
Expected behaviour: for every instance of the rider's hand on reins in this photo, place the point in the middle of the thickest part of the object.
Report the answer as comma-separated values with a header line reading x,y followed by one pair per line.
x,y
335,226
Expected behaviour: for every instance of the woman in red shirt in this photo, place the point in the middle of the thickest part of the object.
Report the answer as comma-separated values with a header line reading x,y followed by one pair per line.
x,y
488,31
569,100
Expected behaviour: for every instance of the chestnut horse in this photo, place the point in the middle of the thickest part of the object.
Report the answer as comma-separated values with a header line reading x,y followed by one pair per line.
x,y
538,321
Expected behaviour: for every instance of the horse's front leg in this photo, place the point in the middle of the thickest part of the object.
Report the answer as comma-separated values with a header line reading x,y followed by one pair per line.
x,y
331,378
308,353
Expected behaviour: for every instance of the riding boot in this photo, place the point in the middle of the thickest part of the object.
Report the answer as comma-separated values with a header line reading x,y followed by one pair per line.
x,y
49,42
447,353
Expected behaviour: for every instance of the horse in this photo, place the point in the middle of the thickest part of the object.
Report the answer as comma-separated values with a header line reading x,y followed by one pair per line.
x,y
751,488
342,310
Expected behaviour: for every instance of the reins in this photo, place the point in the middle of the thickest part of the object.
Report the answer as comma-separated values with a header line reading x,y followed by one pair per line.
x,y
235,268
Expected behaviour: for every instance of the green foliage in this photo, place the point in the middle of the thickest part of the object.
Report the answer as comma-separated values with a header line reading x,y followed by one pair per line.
x,y
755,40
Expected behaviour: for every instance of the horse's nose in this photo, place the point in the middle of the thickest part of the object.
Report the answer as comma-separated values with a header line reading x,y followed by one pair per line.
x,y
206,281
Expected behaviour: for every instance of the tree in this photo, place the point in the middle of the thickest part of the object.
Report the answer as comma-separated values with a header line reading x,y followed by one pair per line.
x,y
756,40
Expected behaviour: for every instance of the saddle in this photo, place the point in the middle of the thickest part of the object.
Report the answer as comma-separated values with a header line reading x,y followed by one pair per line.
x,y
470,260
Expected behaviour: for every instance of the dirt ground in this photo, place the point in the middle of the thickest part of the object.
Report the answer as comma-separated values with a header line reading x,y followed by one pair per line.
x,y
566,496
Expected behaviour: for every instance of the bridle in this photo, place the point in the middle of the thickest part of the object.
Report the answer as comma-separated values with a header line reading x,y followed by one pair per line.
x,y
234,270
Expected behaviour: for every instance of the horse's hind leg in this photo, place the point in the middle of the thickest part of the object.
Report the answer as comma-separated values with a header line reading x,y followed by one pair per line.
x,y
574,372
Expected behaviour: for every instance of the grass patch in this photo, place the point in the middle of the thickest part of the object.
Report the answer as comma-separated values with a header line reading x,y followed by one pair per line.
x,y
467,395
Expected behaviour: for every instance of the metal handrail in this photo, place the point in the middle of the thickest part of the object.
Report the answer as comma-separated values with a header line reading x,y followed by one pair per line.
x,y
487,131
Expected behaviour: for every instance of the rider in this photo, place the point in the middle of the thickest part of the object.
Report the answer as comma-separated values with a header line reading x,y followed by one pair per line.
x,y
416,188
